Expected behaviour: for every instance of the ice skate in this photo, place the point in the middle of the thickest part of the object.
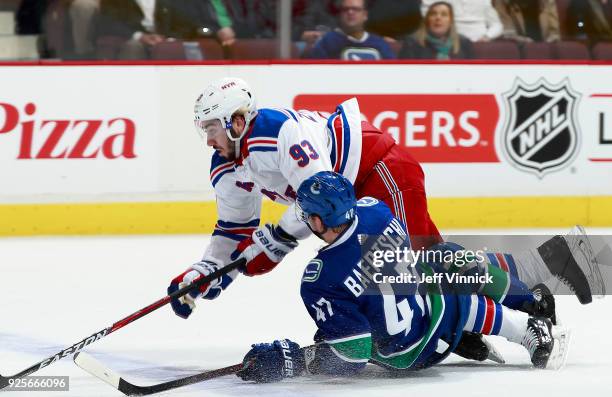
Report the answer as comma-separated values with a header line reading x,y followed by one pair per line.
x,y
538,340
543,305
572,261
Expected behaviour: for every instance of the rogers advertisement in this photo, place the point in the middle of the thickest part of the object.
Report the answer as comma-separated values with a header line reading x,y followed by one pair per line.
x,y
458,128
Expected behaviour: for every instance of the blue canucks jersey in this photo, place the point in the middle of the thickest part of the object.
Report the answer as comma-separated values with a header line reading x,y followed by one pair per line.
x,y
399,330
338,45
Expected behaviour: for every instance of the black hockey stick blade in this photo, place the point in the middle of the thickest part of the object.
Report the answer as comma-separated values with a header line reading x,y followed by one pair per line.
x,y
97,369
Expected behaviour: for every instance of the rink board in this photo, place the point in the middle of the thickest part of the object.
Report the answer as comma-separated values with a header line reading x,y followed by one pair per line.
x,y
111,149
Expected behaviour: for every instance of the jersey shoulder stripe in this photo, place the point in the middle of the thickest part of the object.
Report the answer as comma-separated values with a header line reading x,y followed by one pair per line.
x,y
346,144
264,135
219,166
261,145
268,123
340,134
288,112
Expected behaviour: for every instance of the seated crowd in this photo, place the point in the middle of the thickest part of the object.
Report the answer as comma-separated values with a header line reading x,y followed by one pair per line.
x,y
320,29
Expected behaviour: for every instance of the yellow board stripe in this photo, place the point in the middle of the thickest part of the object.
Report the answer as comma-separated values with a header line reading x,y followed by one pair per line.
x,y
519,212
116,218
200,217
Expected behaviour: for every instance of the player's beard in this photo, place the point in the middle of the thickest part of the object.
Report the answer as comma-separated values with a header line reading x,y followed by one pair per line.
x,y
232,151
233,148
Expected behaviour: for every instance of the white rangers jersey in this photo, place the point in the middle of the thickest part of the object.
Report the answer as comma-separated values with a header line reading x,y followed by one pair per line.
x,y
282,148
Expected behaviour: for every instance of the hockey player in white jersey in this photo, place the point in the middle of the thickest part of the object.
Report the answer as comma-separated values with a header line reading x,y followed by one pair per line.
x,y
267,152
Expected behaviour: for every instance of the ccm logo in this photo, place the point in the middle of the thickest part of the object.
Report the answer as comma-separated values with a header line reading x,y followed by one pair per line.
x,y
67,139
438,128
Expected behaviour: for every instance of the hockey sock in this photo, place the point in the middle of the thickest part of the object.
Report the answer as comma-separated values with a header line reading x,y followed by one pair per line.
x,y
503,287
490,318
506,288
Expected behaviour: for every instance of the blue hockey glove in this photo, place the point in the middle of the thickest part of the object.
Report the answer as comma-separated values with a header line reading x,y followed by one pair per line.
x,y
272,362
184,305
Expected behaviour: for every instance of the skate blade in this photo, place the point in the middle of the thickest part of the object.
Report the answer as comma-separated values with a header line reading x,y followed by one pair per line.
x,y
558,356
580,243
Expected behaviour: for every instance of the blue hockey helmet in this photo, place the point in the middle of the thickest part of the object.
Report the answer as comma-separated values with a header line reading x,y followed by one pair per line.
x,y
329,195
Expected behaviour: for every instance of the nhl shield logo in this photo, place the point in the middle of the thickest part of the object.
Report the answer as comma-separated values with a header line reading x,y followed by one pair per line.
x,y
540,134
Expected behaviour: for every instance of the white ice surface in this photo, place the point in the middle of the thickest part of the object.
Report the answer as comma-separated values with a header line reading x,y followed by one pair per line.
x,y
56,291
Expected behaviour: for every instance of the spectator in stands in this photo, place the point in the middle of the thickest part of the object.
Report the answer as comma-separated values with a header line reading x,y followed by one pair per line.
x,y
250,19
529,20
133,21
392,18
475,19
194,19
437,37
142,24
257,19
45,19
351,41
590,19
318,18
82,14
29,16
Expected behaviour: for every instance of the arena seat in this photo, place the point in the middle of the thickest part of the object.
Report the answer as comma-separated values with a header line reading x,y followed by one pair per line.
x,y
171,50
396,47
537,50
211,49
175,50
258,49
107,47
573,50
496,50
602,51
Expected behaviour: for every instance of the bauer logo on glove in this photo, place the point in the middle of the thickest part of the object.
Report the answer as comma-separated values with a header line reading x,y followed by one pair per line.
x,y
266,247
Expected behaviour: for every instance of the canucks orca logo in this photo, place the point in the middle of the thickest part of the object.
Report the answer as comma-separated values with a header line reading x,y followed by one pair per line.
x,y
367,202
312,271
360,54
315,188
540,134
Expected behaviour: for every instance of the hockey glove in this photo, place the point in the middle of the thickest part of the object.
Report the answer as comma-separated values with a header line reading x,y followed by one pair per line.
x,y
266,247
184,305
272,362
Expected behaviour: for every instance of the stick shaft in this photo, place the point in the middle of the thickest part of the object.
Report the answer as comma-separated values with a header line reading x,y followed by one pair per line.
x,y
4,381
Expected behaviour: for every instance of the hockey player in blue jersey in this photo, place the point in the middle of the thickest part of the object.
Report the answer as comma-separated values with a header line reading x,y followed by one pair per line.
x,y
398,331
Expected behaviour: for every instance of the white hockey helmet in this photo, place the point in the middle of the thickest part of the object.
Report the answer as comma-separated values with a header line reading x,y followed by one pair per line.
x,y
221,100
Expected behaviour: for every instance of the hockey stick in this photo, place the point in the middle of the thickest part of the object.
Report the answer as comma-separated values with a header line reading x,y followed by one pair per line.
x,y
97,369
4,381
102,372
